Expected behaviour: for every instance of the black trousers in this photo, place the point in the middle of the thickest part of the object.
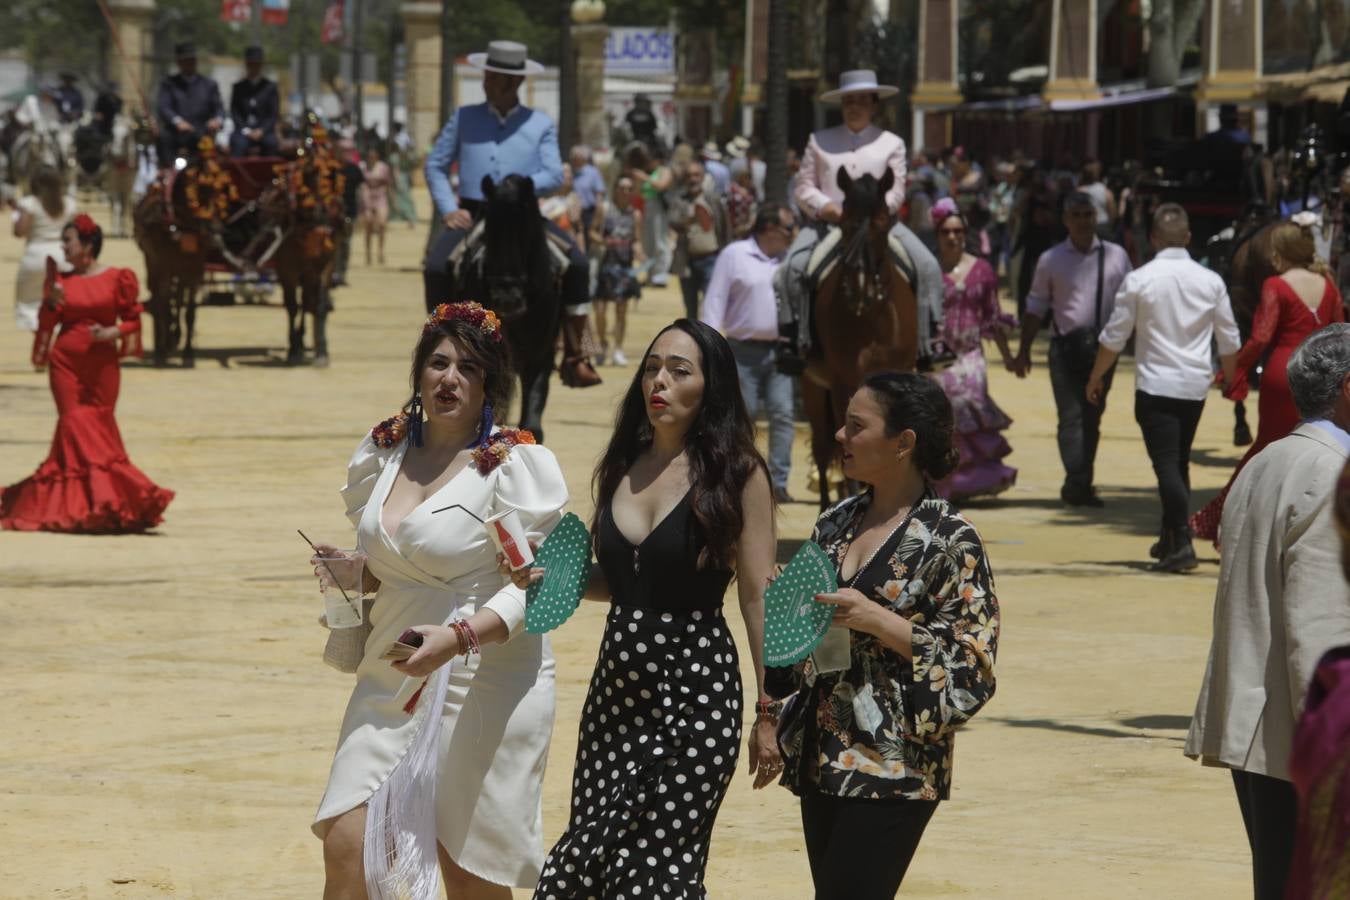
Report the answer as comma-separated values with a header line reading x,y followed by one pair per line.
x,y
1270,813
267,145
860,849
1169,427
1080,422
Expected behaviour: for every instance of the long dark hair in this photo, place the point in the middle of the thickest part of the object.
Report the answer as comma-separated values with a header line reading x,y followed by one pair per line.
x,y
720,445
50,189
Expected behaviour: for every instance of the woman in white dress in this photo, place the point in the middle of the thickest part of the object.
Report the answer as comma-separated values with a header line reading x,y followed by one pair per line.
x,y
40,218
409,789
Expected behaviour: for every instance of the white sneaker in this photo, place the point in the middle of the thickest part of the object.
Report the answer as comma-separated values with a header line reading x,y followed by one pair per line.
x,y
618,358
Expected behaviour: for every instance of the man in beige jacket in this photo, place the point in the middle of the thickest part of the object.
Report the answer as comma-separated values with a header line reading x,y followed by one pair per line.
x,y
1281,604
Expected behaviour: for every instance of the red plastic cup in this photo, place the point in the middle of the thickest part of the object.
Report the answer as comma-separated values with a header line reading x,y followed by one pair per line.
x,y
508,535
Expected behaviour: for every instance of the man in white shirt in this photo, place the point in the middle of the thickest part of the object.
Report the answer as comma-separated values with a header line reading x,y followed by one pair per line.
x,y
1174,306
740,303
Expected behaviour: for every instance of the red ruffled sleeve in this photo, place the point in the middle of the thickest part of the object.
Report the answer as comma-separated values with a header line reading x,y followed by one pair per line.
x,y
127,294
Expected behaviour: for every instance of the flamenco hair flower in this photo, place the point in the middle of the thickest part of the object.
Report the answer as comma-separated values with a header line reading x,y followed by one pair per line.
x,y
475,314
494,451
390,432
943,210
84,225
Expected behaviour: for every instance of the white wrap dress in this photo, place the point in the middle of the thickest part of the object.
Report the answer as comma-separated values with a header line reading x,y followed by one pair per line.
x,y
497,709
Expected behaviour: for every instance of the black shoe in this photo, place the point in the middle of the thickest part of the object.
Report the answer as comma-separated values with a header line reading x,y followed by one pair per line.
x,y
1081,497
1178,555
1242,435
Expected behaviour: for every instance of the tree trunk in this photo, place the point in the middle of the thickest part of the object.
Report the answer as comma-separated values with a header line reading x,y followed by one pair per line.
x,y
776,104
1170,26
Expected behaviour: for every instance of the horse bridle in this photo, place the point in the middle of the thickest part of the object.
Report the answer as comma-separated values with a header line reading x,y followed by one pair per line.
x,y
864,278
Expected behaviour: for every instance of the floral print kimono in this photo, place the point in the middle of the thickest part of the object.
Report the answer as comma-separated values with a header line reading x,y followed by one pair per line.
x,y
883,728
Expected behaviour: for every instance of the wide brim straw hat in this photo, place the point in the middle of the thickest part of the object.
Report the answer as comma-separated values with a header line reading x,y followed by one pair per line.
x,y
712,151
507,57
859,81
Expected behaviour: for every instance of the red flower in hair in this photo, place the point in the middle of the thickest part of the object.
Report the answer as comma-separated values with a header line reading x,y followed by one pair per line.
x,y
84,225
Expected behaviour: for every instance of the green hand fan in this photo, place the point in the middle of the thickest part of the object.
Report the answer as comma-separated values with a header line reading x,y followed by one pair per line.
x,y
794,622
565,557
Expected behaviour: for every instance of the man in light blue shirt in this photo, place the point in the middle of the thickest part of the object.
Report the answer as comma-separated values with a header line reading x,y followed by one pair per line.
x,y
712,163
589,185
495,139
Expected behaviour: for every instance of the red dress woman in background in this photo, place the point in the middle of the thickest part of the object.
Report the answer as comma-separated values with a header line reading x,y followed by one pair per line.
x,y
1280,324
86,484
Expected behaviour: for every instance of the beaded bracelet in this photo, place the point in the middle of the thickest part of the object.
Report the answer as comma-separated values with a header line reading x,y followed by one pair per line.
x,y
468,639
768,709
473,637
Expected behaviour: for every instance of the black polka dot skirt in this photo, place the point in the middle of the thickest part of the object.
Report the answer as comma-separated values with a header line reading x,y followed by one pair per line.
x,y
660,733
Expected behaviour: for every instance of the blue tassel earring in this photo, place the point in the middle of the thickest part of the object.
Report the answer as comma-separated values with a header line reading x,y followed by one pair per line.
x,y
415,421
485,427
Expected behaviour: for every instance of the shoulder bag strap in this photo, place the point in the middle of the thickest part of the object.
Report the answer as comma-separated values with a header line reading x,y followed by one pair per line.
x,y
1101,271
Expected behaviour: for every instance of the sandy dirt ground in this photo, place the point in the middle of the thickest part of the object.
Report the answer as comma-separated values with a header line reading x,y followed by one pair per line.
x,y
168,724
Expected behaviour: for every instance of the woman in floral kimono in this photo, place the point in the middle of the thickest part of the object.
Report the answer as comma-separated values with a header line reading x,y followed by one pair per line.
x,y
869,749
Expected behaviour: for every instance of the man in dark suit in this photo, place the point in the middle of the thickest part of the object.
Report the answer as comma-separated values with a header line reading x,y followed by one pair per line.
x,y
189,108
254,104
68,99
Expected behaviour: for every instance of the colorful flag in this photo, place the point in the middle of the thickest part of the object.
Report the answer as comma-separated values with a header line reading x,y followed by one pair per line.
x,y
331,32
236,10
274,11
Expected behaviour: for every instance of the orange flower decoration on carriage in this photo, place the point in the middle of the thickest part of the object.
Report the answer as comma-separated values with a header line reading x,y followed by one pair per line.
x,y
485,320
84,226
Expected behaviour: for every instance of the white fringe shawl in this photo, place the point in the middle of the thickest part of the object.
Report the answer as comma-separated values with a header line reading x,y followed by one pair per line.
x,y
400,847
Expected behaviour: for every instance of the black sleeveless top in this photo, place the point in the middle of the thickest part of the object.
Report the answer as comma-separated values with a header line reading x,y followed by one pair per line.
x,y
661,573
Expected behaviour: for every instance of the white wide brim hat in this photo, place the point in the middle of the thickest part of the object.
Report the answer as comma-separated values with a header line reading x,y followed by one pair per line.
x,y
507,57
711,151
860,81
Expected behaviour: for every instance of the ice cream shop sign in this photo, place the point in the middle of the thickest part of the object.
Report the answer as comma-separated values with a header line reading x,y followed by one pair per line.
x,y
640,51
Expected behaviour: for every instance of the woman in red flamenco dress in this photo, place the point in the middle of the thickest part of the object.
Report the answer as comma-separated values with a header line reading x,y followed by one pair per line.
x,y
86,485
1294,304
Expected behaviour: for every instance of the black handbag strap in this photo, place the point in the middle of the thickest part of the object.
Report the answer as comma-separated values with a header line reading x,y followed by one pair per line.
x,y
1101,272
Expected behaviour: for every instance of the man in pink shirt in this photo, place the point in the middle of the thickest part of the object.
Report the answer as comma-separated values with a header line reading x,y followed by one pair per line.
x,y
860,148
739,302
1074,287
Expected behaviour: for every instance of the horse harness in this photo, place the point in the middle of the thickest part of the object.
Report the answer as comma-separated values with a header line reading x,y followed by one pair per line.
x,y
830,251
470,256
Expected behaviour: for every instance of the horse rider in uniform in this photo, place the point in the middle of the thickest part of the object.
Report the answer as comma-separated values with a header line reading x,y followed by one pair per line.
x,y
861,148
254,107
498,138
68,100
189,107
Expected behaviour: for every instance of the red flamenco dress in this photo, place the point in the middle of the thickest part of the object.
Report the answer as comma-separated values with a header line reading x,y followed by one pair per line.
x,y
86,485
1281,323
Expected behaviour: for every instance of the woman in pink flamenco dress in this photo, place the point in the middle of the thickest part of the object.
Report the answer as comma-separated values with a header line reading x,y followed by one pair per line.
x,y
86,484
970,314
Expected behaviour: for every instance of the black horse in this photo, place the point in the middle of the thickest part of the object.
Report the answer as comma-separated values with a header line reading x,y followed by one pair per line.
x,y
513,265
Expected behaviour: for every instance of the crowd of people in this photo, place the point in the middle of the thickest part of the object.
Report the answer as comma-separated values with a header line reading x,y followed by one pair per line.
x,y
685,502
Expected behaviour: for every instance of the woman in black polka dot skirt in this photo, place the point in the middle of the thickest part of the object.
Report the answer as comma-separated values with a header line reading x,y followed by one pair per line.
x,y
682,504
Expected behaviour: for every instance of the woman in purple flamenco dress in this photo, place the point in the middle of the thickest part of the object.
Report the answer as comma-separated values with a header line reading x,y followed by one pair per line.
x,y
971,313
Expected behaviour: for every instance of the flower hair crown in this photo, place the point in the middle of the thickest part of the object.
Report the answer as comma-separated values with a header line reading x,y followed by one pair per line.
x,y
485,320
85,226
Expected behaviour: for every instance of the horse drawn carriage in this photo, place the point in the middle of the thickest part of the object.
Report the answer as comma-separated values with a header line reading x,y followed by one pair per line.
x,y
235,227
